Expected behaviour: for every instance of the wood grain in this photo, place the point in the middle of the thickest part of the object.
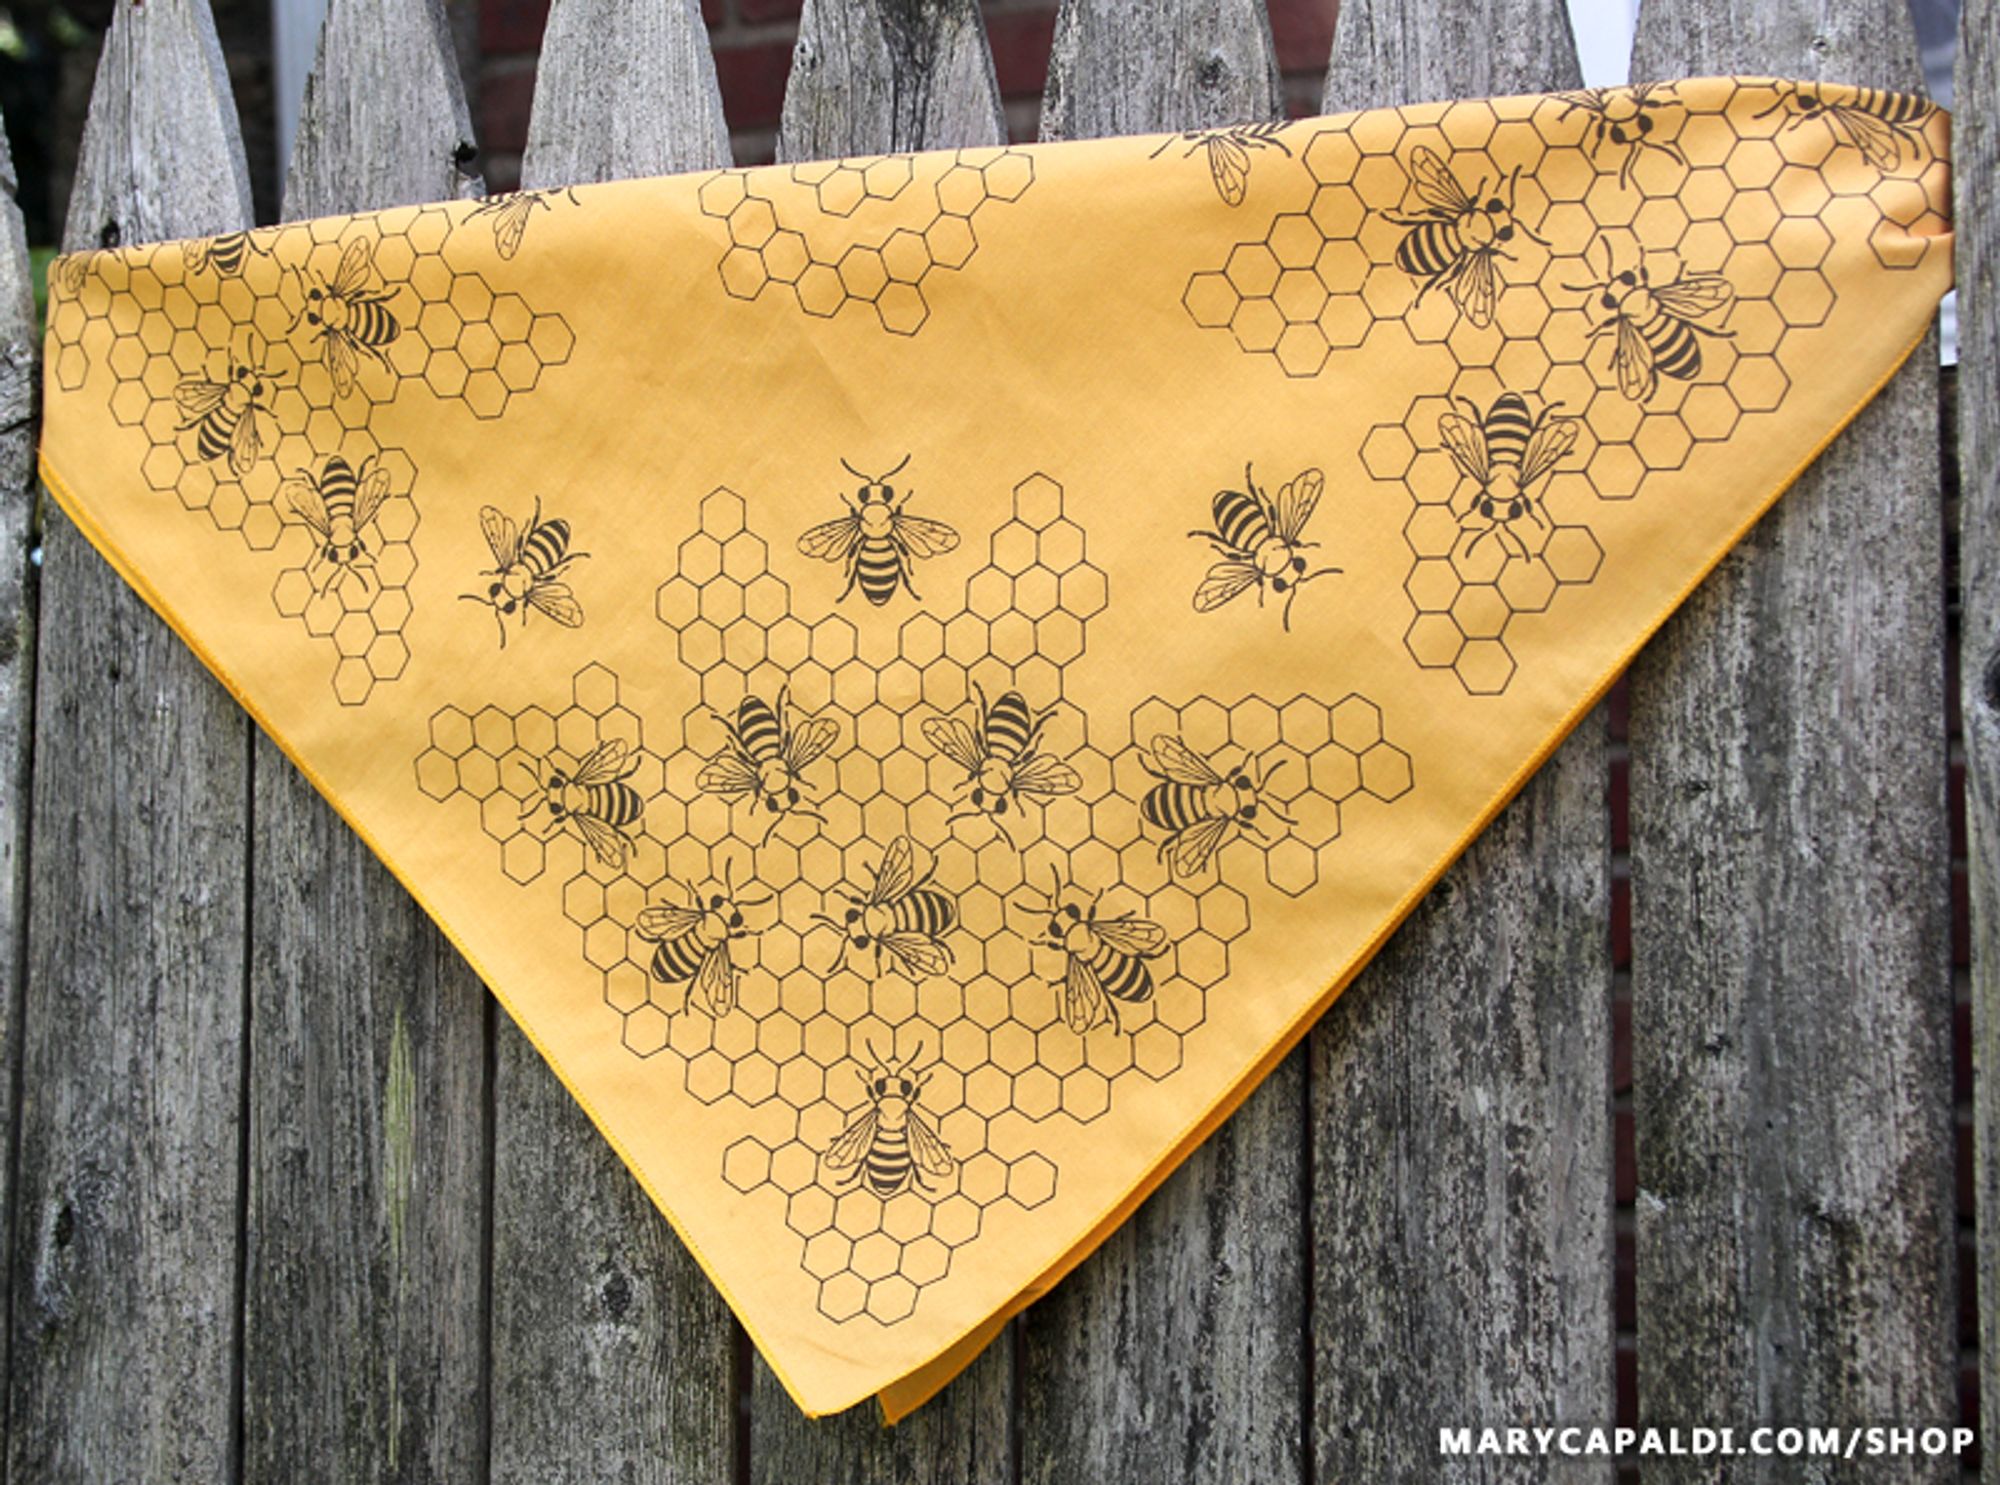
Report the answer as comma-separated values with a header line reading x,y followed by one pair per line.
x,y
612,1354
1461,1119
1141,67
1791,983
1975,164
368,1212
124,1242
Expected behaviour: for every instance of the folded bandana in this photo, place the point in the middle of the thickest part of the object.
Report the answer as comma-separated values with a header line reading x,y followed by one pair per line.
x,y
916,679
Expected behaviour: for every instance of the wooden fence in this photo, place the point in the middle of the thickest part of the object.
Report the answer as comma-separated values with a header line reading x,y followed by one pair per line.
x,y
286,1200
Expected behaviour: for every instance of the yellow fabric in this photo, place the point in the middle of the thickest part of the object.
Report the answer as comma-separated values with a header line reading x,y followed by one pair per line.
x,y
1052,507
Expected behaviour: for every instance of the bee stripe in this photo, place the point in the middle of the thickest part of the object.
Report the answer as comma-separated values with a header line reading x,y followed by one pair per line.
x,y
1429,248
1240,521
1007,726
1676,350
757,730
1123,976
1509,426
370,323
337,486
878,568
216,433
616,804
888,1165
924,911
545,546
1174,807
677,960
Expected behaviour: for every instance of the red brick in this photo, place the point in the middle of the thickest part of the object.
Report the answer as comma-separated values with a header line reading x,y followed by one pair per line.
x,y
511,26
505,98
1020,40
1303,30
753,82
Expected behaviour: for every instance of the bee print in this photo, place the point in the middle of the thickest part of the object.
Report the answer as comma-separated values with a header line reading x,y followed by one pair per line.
x,y
1454,242
900,914
511,212
1228,152
1657,328
527,570
595,803
891,1145
877,540
1200,808
693,942
1104,959
764,758
69,272
1260,543
225,254
998,752
1506,454
349,319
227,416
338,508
1879,123
1624,117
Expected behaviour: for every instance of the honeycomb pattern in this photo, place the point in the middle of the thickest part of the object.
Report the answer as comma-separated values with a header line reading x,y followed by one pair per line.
x,y
166,320
810,1021
866,231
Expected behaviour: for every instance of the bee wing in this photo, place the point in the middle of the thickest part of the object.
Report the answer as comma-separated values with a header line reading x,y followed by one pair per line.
x,y
341,361
1465,441
608,762
304,499
1296,503
368,499
853,1142
1476,287
1436,186
916,954
831,541
810,740
1084,1005
1197,844
1695,295
557,601
246,444
924,538
352,274
1555,438
501,537
667,921
1140,937
1633,361
1180,763
511,224
196,397
898,873
1044,775
954,738
1223,582
1229,167
1878,142
726,773
607,844
717,981
928,1146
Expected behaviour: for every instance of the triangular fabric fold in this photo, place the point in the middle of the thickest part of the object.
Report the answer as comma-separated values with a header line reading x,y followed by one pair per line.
x,y
917,679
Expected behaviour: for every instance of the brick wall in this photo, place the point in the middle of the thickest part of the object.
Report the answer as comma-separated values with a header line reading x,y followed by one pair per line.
x,y
753,56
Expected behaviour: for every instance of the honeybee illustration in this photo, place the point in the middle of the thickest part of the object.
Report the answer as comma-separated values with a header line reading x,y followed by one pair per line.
x,y
900,914
1200,808
764,757
1657,327
692,942
225,254
338,508
891,1144
1228,150
528,565
227,416
511,212
1624,117
1260,542
594,803
69,272
1506,453
876,539
998,752
1456,239
1879,123
349,319
1104,959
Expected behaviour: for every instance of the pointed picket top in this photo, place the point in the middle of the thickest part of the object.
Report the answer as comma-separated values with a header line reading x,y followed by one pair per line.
x,y
162,155
1139,67
624,88
1381,60
876,76
384,120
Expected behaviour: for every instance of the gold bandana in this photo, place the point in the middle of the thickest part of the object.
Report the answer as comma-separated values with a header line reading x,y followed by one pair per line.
x,y
917,679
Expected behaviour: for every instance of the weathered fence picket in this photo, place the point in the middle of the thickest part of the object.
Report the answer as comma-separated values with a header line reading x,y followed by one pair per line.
x,y
127,1215
1791,977
291,1197
1461,1185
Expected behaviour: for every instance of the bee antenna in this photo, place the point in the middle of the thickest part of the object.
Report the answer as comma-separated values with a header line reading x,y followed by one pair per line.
x,y
853,471
889,473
